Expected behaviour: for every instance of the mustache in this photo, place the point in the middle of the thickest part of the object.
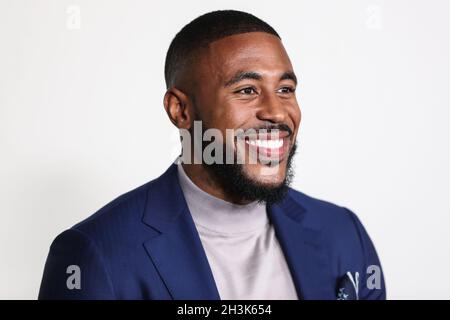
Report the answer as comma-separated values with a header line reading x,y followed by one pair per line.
x,y
269,128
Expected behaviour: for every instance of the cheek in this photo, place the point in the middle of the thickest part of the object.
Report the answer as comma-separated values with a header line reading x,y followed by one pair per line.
x,y
231,117
296,113
296,116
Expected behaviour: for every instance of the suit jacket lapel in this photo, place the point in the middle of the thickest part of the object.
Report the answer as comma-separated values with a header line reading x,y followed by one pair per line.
x,y
176,249
303,250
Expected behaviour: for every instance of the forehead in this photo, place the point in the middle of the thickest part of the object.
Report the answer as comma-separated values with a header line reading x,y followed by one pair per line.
x,y
255,51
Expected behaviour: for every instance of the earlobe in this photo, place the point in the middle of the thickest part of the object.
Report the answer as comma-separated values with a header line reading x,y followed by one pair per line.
x,y
175,103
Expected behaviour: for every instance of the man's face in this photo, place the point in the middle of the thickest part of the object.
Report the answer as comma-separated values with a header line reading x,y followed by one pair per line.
x,y
246,81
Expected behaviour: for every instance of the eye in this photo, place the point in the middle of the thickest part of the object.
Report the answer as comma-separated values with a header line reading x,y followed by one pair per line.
x,y
247,91
286,90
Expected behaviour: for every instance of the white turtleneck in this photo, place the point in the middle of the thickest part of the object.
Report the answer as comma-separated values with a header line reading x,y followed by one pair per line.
x,y
243,252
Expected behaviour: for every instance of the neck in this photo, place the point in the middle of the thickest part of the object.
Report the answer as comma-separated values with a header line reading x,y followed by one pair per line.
x,y
216,215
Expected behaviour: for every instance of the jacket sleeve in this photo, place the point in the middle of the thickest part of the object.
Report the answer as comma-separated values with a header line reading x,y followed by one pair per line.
x,y
75,270
371,282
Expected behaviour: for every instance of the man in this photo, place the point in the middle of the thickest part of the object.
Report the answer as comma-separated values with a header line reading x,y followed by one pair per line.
x,y
230,228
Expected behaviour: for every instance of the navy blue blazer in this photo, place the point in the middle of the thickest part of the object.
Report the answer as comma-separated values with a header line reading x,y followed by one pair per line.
x,y
144,245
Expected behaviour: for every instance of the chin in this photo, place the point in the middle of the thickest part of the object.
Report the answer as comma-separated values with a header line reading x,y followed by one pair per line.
x,y
266,175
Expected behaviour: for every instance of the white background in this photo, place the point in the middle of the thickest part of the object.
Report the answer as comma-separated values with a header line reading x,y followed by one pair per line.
x,y
82,120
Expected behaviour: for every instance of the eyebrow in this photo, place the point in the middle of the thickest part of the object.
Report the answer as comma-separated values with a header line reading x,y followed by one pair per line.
x,y
289,75
242,75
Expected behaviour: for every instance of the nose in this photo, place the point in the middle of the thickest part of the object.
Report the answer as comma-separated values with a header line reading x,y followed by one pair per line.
x,y
271,109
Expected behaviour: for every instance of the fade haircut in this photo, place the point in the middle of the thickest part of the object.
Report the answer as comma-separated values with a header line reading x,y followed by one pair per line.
x,y
200,32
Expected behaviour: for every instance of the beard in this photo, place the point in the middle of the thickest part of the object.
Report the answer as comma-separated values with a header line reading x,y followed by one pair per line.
x,y
235,182
238,185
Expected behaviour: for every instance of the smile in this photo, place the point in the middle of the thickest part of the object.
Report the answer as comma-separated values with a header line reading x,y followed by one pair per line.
x,y
268,148
270,144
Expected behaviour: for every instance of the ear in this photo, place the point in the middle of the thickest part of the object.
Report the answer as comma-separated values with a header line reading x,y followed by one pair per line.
x,y
176,103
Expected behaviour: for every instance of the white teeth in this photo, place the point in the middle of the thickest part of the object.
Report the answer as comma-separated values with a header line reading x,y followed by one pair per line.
x,y
269,144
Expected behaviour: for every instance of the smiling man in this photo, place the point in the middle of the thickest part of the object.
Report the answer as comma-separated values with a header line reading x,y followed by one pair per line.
x,y
222,222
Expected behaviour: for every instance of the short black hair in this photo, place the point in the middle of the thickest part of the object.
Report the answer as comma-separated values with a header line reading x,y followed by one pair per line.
x,y
205,29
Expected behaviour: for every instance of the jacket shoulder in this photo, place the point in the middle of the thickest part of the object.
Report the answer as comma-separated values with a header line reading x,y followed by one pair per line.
x,y
322,214
125,210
